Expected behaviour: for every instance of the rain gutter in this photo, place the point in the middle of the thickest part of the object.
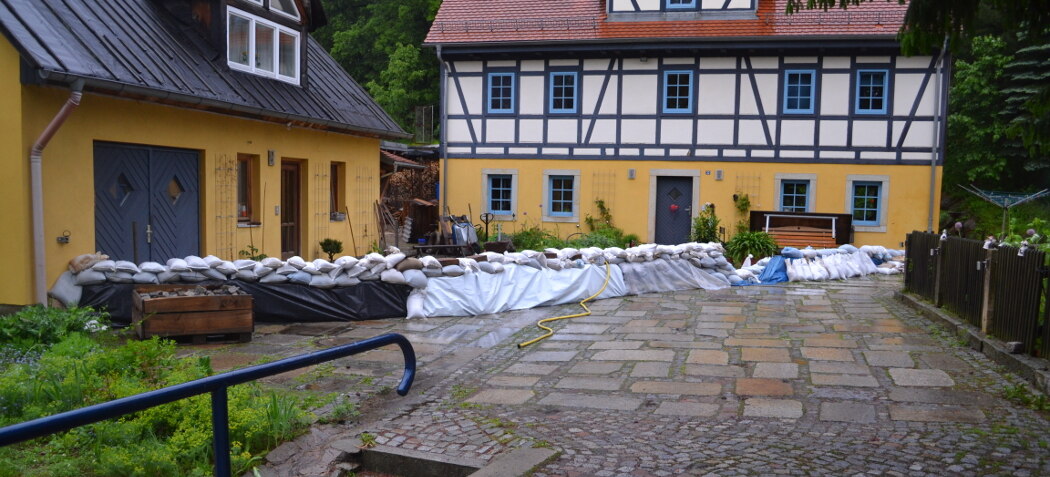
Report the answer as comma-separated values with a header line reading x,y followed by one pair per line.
x,y
36,187
938,121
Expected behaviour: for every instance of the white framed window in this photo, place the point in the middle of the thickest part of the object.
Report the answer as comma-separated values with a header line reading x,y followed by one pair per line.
x,y
500,187
259,46
867,200
561,195
285,7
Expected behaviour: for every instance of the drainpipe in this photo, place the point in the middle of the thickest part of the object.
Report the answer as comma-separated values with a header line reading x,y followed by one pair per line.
x,y
444,126
36,187
938,120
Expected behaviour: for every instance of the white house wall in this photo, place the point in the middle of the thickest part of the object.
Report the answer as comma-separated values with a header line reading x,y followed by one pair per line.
x,y
736,115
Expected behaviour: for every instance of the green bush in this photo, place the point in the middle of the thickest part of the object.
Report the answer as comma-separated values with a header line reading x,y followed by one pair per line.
x,y
603,233
759,244
37,326
173,439
534,237
705,226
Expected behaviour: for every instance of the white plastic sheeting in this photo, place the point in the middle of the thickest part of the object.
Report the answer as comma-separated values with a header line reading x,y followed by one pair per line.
x,y
518,287
666,275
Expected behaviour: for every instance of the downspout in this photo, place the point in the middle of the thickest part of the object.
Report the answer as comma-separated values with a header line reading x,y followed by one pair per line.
x,y
443,203
36,187
938,120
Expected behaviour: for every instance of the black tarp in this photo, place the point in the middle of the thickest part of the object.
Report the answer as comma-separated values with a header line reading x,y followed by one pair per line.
x,y
285,302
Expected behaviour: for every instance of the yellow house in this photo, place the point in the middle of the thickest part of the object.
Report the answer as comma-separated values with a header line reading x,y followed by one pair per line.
x,y
659,107
149,130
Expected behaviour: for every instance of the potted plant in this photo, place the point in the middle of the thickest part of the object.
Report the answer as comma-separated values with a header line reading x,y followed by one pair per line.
x,y
331,247
759,244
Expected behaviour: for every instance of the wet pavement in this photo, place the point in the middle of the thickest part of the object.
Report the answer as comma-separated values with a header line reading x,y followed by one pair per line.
x,y
834,378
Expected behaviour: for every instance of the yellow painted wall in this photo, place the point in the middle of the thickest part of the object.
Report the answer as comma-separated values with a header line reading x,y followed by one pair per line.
x,y
16,246
68,175
630,202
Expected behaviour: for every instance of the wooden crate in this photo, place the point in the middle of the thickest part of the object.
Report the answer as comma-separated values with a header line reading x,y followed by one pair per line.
x,y
198,318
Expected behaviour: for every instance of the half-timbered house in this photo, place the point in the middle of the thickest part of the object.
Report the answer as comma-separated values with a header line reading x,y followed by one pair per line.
x,y
658,107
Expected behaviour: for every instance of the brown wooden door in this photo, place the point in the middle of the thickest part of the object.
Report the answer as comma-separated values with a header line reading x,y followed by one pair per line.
x,y
291,215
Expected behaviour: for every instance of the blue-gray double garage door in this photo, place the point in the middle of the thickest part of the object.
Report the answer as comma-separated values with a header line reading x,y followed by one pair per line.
x,y
147,204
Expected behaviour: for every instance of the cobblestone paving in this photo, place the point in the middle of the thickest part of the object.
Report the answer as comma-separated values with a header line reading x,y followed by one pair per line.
x,y
830,378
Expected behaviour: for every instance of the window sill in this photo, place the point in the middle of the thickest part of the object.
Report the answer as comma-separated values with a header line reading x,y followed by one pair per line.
x,y
869,228
561,218
248,225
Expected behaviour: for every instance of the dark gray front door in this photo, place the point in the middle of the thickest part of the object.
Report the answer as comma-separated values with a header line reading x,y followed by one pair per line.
x,y
146,202
674,202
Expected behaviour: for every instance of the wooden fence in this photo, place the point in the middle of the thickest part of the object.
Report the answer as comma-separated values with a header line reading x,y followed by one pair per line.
x,y
999,291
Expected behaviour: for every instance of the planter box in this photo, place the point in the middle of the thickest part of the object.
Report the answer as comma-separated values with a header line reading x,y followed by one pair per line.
x,y
198,318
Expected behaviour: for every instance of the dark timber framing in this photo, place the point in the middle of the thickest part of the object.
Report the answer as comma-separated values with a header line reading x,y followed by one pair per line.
x,y
747,75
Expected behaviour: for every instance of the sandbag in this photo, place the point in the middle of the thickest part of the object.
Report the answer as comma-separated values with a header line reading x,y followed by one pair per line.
x,y
245,264
415,278
85,261
90,277
335,272
105,266
247,275
212,261
151,267
488,267
192,277
355,271
393,276
410,263
433,272
300,277
322,281
393,259
452,271
226,268
272,262
214,274
119,277
66,290
261,270
286,270
346,281
324,265
296,262
145,278
414,304
311,269
274,278
368,276
347,262
197,264
178,265
168,276
126,266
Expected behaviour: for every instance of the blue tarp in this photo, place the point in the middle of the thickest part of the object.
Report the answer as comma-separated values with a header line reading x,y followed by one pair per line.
x,y
775,272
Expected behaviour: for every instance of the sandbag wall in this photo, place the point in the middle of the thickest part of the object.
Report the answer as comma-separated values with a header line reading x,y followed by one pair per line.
x,y
486,283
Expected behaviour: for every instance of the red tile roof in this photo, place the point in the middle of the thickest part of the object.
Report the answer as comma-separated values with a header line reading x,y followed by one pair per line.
x,y
497,21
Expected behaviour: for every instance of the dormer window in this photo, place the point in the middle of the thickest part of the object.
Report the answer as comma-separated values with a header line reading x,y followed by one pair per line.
x,y
258,46
284,7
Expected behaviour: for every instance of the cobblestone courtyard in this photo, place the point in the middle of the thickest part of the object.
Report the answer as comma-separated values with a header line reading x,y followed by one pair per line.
x,y
832,378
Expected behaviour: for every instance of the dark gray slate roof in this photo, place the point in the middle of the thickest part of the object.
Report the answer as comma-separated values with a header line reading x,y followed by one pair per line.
x,y
136,48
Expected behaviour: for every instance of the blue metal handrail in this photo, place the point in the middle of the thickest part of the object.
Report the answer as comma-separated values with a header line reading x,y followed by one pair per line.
x,y
216,385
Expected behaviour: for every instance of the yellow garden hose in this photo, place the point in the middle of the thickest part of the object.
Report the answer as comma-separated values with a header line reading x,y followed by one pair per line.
x,y
550,332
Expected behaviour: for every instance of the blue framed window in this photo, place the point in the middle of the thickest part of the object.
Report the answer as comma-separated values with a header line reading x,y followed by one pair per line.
x,y
799,91
501,93
500,190
866,202
678,92
562,189
794,196
872,91
563,92
677,4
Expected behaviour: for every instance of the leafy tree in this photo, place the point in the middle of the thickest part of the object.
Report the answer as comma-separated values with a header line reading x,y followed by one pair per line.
x,y
378,43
